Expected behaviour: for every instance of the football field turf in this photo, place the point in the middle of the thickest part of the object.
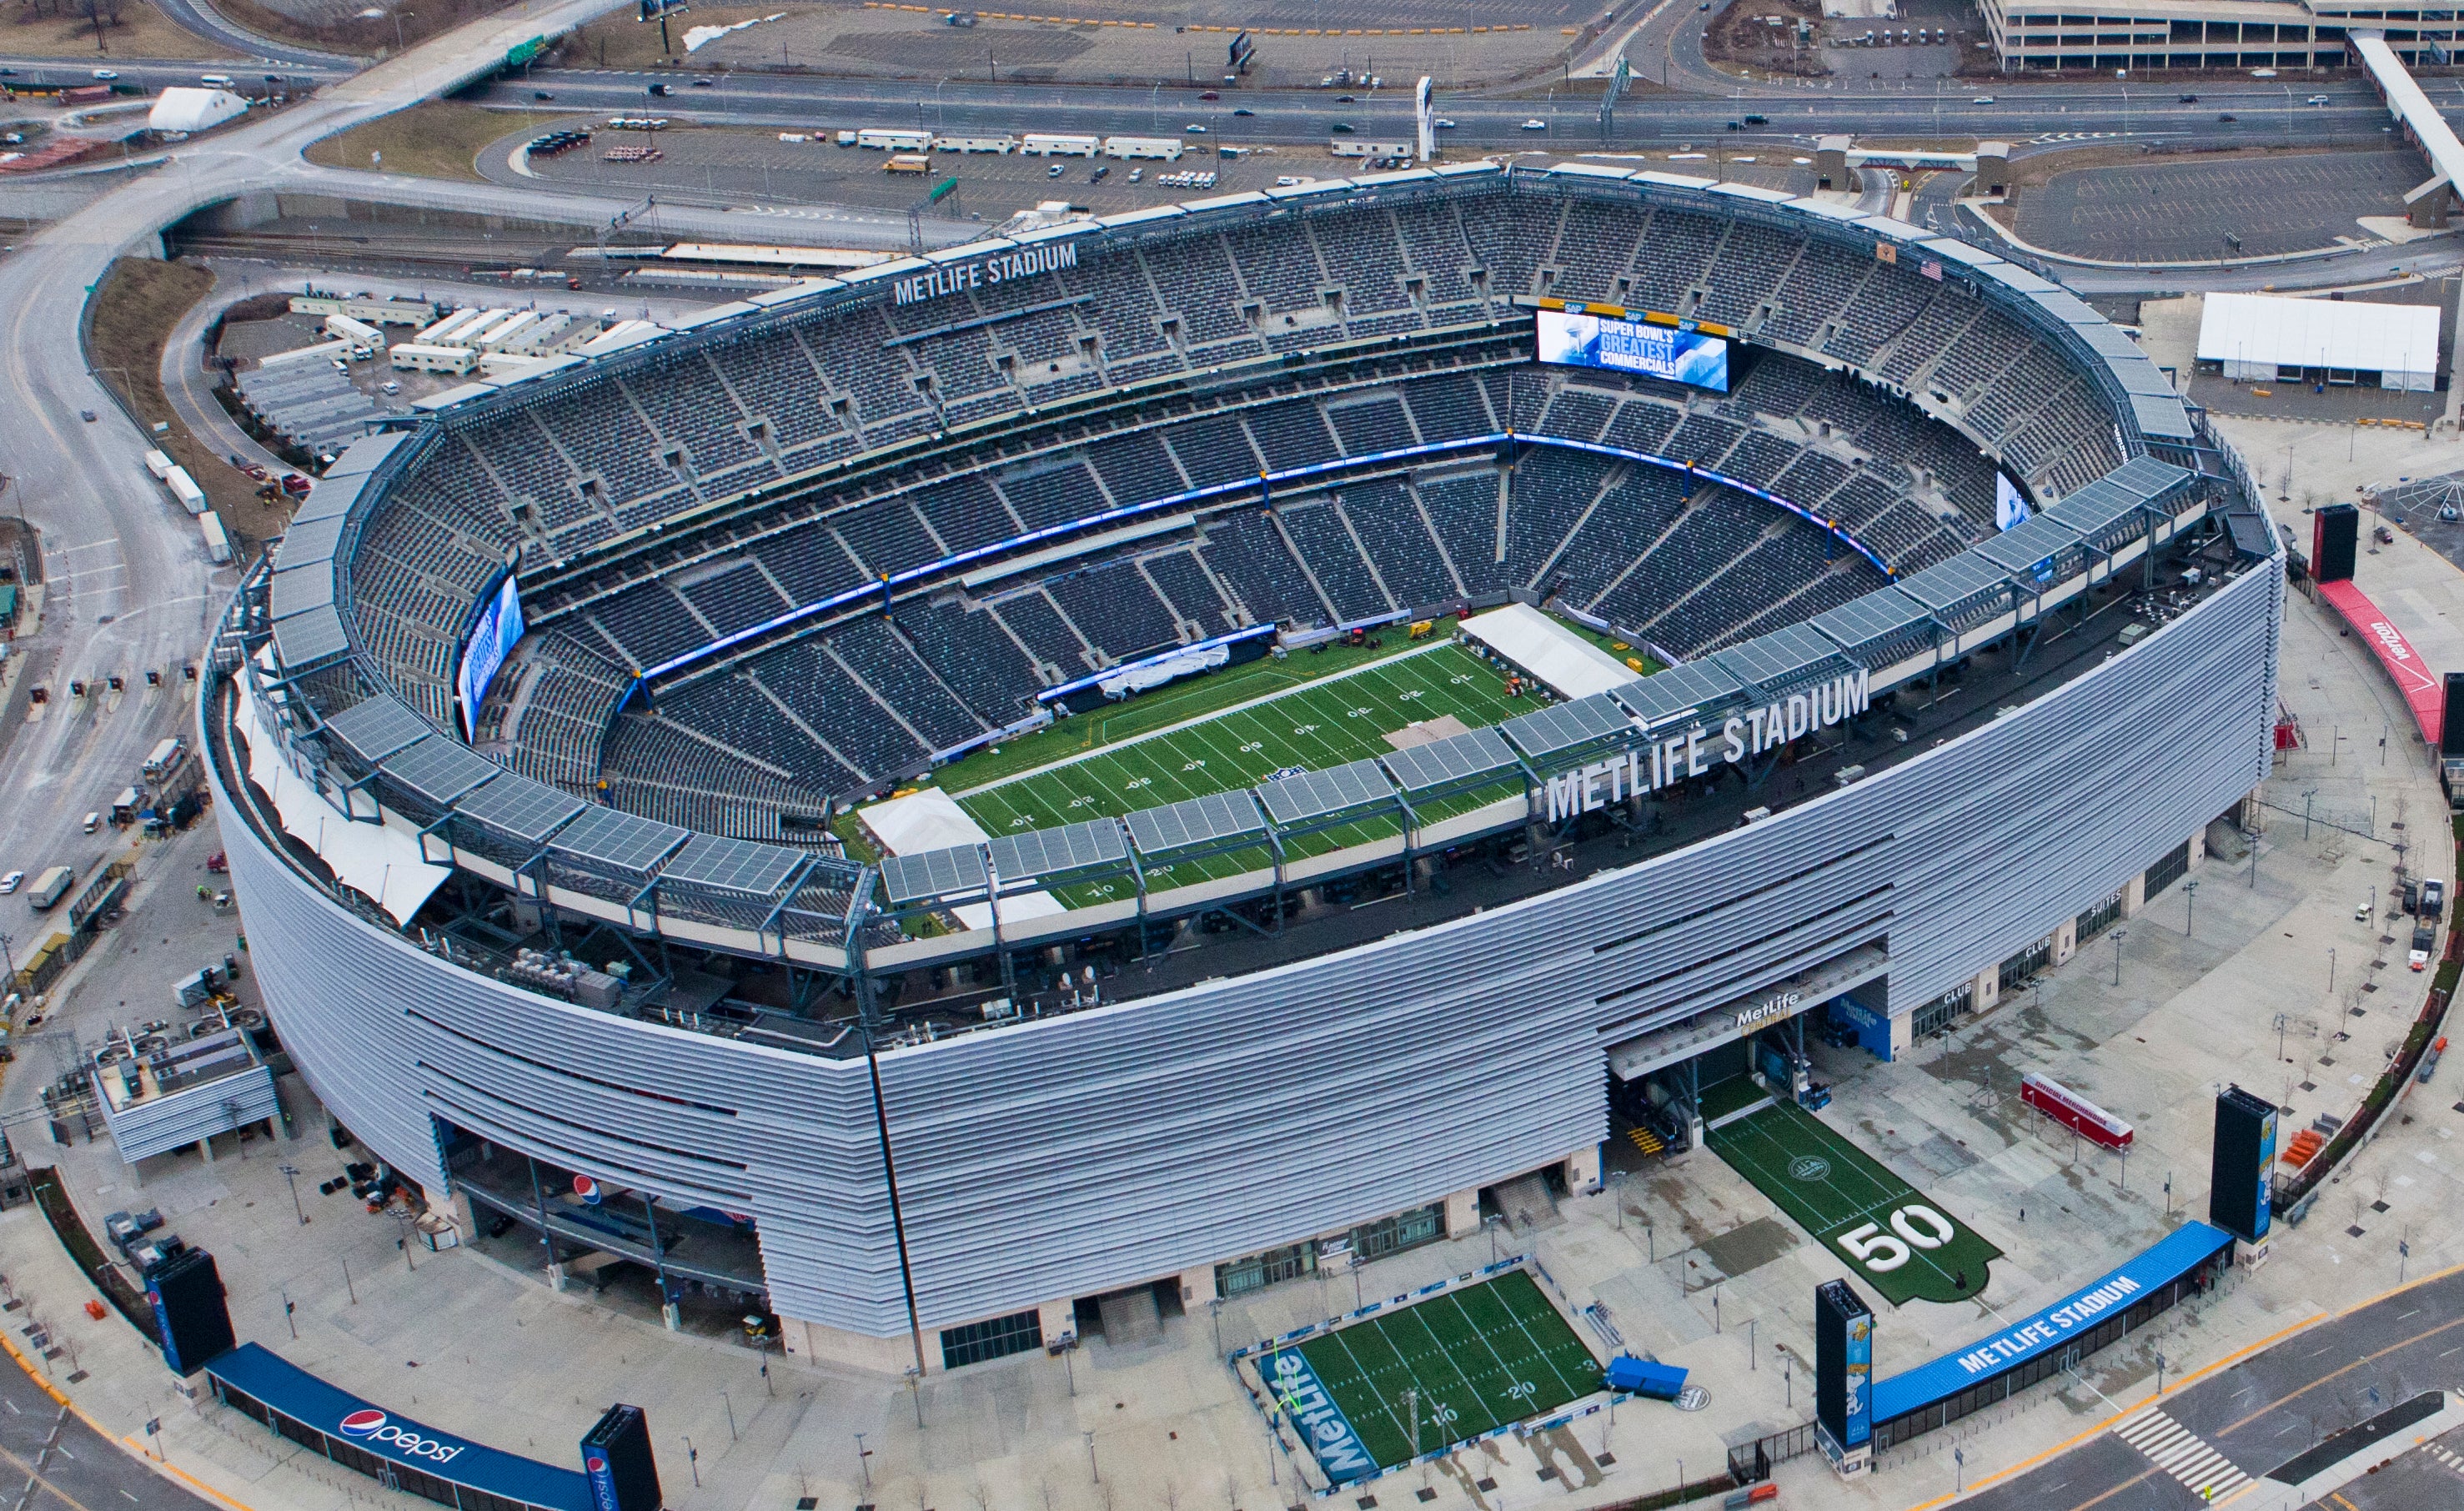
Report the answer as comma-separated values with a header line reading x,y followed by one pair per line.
x,y
1901,1243
1318,724
1467,1360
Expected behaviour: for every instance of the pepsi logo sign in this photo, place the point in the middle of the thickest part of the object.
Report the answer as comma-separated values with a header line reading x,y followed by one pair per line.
x,y
586,1188
373,1426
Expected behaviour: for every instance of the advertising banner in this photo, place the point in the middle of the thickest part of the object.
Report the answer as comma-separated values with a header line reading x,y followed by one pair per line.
x,y
1572,339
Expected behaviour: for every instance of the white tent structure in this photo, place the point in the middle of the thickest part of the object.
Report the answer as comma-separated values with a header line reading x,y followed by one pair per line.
x,y
1531,641
2264,337
190,110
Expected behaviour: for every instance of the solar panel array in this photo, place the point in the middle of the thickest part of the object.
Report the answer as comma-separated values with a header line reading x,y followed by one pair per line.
x,y
1455,759
615,840
1198,820
439,771
953,872
1053,852
1569,725
520,807
378,727
733,866
1322,794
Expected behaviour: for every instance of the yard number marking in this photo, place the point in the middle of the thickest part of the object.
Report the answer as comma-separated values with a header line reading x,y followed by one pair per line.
x,y
1880,1252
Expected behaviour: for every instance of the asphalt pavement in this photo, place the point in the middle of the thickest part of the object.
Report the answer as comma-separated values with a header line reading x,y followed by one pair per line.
x,y
2269,1407
2265,113
62,1464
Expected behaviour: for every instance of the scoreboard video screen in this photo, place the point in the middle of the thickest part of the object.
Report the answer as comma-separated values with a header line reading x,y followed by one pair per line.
x,y
1571,339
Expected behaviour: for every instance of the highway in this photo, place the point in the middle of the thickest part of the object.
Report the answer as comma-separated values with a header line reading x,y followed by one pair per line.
x,y
2265,114
2265,1411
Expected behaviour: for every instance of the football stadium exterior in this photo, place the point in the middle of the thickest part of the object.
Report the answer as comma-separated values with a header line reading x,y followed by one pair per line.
x,y
917,1172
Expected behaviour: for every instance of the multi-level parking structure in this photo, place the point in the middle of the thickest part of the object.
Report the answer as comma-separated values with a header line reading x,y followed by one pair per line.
x,y
927,1142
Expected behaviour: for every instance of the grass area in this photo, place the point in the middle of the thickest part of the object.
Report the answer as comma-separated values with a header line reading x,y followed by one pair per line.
x,y
438,139
361,34
130,29
1454,1366
1644,662
618,40
1903,1246
136,303
1319,724
1193,698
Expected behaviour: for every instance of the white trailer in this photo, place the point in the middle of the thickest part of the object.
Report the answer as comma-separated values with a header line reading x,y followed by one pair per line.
x,y
158,464
1380,151
443,332
1039,144
885,139
1168,148
218,547
359,332
1000,144
185,489
418,357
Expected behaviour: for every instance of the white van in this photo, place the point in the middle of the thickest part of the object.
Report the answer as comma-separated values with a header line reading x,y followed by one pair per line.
x,y
218,80
93,821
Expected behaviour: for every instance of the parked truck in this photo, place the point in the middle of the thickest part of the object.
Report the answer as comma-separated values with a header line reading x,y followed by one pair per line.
x,y
50,887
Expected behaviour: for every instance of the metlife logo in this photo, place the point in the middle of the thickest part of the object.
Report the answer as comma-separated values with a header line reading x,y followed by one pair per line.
x,y
372,1426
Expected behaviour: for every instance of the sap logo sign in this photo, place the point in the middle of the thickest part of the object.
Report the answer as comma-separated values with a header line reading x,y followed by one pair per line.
x,y
372,1425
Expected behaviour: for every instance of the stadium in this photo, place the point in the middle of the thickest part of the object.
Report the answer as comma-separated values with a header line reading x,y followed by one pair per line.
x,y
1121,761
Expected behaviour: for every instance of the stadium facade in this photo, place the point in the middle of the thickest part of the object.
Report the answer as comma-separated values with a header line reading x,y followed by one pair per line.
x,y
860,1087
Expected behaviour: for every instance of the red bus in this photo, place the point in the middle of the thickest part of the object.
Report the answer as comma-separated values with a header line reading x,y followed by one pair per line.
x,y
2071,1110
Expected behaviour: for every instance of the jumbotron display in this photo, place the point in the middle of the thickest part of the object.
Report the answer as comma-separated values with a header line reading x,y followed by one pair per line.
x,y
810,896
1577,339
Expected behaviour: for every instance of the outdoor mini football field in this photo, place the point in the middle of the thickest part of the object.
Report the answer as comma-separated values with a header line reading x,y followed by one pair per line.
x,y
1456,1365
1900,1243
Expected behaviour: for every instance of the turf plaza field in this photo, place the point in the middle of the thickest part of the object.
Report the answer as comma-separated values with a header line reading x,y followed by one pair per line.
x,y
1895,1240
1270,726
1454,1365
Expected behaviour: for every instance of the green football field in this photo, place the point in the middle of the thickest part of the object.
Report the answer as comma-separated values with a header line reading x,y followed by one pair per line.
x,y
1464,1361
1320,723
1900,1243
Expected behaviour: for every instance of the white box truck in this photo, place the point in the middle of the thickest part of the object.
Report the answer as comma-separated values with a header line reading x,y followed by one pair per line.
x,y
218,547
185,489
158,464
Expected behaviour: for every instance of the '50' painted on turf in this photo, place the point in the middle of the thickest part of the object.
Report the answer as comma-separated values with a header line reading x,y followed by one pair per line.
x,y
1878,1251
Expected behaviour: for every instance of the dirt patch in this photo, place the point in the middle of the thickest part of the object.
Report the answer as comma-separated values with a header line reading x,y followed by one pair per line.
x,y
1752,1246
438,139
1744,36
135,306
129,29
366,36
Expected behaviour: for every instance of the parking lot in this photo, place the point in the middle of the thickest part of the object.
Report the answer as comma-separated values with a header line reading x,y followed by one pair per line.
x,y
2184,210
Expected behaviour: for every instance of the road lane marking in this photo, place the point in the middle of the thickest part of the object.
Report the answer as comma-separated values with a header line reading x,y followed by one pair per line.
x,y
2182,1454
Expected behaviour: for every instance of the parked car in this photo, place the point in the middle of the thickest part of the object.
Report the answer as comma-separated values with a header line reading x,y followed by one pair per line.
x,y
2423,937
12,881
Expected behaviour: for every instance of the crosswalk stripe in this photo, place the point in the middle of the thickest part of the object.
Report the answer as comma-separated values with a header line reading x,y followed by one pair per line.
x,y
2181,1453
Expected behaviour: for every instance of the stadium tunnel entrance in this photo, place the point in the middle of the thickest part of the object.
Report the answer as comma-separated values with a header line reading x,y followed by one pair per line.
x,y
696,1268
1698,1067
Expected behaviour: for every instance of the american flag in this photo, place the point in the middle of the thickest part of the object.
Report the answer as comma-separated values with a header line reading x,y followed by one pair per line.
x,y
1932,270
